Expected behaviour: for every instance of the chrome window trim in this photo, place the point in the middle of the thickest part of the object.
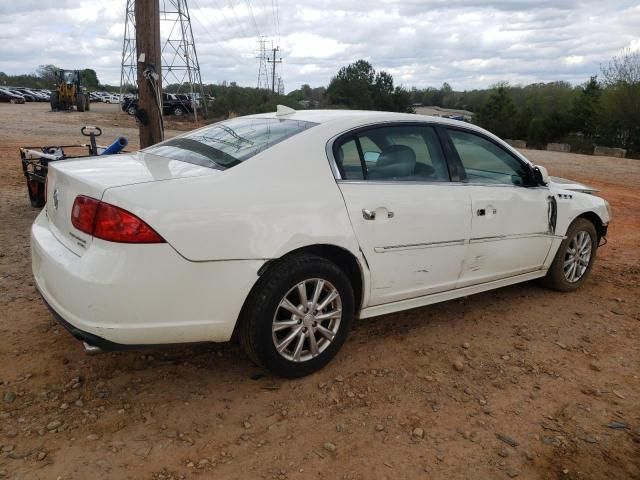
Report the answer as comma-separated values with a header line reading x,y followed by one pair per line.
x,y
333,164
444,183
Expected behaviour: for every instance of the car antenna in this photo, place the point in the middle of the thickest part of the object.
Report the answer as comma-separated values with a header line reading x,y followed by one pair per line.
x,y
284,110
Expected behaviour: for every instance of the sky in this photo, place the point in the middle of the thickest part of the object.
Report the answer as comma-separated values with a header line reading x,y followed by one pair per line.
x,y
467,43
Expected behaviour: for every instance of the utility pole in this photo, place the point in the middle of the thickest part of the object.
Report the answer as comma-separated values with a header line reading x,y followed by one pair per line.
x,y
147,15
273,68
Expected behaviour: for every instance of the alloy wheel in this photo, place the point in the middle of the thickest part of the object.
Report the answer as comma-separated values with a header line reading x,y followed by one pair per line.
x,y
307,320
577,256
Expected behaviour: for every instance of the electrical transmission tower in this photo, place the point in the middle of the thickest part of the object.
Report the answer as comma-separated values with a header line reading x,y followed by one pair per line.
x,y
179,57
263,69
267,78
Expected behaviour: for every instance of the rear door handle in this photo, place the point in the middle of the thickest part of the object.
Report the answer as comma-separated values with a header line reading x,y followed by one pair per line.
x,y
371,214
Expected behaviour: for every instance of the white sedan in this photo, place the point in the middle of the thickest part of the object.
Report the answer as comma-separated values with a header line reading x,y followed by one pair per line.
x,y
279,229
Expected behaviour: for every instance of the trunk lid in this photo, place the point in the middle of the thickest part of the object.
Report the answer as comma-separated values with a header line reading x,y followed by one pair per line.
x,y
92,176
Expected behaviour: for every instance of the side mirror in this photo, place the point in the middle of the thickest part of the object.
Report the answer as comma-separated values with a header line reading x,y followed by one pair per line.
x,y
541,175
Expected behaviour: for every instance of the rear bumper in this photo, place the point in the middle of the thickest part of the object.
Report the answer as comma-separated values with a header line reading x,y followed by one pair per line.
x,y
119,296
87,337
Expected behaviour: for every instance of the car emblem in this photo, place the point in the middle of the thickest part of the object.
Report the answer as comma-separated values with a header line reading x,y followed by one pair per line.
x,y
55,199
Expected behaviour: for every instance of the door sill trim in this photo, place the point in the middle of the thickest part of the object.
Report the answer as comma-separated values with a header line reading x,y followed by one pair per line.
x,y
407,304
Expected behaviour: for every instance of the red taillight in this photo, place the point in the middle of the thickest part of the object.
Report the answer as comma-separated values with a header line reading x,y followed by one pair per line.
x,y
83,213
111,223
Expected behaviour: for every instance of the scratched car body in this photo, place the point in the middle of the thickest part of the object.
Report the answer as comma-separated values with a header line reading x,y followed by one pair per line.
x,y
279,229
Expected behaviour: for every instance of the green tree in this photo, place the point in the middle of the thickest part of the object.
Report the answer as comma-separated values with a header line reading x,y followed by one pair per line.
x,y
89,79
586,108
497,114
621,101
359,86
352,86
47,74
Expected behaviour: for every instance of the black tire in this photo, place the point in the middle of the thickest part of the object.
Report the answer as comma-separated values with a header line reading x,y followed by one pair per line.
x,y
36,193
54,101
87,103
131,110
556,278
263,304
80,102
178,111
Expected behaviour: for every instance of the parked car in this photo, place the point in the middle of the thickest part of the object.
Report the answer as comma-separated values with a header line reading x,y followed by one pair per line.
x,y
8,97
38,97
27,97
172,104
111,99
279,229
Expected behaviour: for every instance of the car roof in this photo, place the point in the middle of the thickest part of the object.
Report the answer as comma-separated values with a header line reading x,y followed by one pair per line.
x,y
354,118
364,116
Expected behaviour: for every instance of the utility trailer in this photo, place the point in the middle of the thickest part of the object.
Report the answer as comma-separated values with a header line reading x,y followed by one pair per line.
x,y
35,160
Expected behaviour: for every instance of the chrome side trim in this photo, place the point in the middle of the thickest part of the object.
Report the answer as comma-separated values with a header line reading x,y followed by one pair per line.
x,y
450,243
414,246
514,236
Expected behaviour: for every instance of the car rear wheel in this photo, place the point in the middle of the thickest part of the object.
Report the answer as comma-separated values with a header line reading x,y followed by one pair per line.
x,y
574,259
297,316
131,110
177,111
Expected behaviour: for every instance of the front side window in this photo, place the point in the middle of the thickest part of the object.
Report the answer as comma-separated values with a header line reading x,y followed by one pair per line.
x,y
393,153
486,162
226,144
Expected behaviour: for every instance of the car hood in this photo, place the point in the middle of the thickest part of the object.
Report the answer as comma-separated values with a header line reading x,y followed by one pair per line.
x,y
566,184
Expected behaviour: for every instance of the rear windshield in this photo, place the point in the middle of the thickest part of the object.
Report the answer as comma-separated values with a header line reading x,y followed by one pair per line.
x,y
225,144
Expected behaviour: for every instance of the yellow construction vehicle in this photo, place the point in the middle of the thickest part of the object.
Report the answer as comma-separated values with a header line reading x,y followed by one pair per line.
x,y
69,92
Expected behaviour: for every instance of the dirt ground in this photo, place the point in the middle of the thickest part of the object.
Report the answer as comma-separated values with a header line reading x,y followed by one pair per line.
x,y
549,388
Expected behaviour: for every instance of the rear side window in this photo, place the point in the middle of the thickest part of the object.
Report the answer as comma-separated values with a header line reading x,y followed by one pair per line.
x,y
226,144
392,153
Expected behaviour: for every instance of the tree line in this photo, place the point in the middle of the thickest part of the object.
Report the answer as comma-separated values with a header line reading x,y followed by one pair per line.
x,y
605,110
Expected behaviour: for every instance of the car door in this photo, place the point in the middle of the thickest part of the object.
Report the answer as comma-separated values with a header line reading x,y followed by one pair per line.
x,y
411,221
510,232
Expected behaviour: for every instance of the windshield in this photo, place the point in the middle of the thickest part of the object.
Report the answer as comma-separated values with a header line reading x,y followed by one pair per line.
x,y
228,143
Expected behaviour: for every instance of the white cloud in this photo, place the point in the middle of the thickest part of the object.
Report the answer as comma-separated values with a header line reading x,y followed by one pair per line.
x,y
467,43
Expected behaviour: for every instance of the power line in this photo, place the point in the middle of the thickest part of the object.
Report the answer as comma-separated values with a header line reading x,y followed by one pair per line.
x,y
277,17
211,36
255,24
233,10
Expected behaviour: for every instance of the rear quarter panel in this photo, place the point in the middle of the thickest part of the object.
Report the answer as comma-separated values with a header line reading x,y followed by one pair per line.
x,y
277,201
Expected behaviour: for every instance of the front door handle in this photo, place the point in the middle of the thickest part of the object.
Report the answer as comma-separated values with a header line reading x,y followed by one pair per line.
x,y
371,214
368,214
481,212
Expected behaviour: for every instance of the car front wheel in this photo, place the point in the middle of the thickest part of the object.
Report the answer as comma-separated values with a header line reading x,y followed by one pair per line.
x,y
297,316
575,256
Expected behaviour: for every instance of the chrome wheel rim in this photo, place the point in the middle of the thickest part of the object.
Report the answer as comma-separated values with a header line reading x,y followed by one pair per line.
x,y
577,256
307,320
